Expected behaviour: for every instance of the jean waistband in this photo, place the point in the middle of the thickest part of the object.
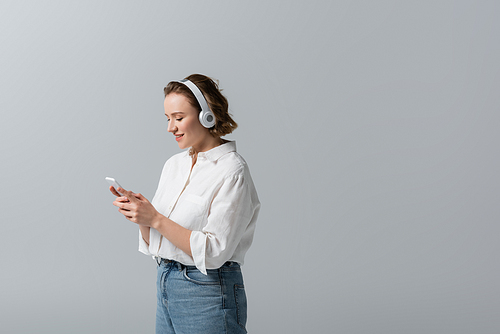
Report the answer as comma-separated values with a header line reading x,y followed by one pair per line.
x,y
160,261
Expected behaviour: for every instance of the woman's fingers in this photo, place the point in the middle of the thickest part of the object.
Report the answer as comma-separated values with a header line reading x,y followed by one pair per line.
x,y
123,204
128,214
130,195
122,199
113,191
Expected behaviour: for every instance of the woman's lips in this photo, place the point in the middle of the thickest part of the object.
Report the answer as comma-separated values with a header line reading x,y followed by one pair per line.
x,y
178,137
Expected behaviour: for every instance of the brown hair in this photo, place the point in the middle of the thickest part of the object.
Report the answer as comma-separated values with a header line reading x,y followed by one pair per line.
x,y
224,123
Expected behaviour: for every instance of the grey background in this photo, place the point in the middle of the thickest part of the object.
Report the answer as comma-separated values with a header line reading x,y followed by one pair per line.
x,y
371,130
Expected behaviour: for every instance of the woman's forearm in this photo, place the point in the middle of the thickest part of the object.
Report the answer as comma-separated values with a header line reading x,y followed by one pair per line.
x,y
174,232
145,233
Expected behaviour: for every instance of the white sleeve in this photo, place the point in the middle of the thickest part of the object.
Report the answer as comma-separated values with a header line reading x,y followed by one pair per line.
x,y
230,213
143,246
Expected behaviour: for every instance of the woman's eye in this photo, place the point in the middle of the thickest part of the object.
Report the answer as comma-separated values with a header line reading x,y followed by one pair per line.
x,y
178,119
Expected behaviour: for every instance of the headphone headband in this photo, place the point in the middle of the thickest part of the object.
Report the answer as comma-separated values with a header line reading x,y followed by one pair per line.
x,y
207,118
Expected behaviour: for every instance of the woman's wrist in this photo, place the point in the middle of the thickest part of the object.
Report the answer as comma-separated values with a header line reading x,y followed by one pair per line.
x,y
157,221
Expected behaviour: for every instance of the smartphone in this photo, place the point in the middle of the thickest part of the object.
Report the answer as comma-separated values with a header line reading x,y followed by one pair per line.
x,y
113,182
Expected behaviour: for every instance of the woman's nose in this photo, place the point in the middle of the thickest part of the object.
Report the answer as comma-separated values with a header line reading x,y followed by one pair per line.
x,y
171,126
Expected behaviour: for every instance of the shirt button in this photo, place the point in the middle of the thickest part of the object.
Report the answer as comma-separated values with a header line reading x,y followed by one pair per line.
x,y
170,207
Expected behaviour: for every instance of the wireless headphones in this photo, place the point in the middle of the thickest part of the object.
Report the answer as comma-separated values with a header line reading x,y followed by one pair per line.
x,y
207,118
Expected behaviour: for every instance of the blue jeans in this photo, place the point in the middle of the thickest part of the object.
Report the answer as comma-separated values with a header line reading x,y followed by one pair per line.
x,y
189,302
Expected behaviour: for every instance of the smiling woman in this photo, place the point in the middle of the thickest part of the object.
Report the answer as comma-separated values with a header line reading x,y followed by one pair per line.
x,y
202,218
185,125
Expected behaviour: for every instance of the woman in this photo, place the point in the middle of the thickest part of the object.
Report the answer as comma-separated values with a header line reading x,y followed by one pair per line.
x,y
201,220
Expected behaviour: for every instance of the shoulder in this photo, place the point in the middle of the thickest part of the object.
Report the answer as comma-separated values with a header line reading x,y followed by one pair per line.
x,y
233,164
237,176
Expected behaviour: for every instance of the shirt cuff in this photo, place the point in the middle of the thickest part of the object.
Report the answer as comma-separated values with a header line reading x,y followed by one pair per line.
x,y
198,242
143,246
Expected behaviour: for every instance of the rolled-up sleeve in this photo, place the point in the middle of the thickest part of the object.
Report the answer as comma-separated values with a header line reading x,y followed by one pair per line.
x,y
230,214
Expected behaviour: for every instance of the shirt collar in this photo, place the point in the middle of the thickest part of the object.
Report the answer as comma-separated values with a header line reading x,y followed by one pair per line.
x,y
217,152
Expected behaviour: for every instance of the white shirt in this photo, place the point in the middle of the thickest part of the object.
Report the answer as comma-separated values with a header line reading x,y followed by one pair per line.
x,y
216,200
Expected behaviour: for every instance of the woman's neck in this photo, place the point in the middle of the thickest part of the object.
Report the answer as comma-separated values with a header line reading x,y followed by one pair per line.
x,y
207,145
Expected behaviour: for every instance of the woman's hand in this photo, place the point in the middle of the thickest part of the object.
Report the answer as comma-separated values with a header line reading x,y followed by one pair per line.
x,y
135,207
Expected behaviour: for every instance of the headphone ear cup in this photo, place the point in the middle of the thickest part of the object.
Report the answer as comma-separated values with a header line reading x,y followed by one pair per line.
x,y
206,116
207,119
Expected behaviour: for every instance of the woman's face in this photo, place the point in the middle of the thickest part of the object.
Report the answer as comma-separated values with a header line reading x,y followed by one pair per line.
x,y
184,123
